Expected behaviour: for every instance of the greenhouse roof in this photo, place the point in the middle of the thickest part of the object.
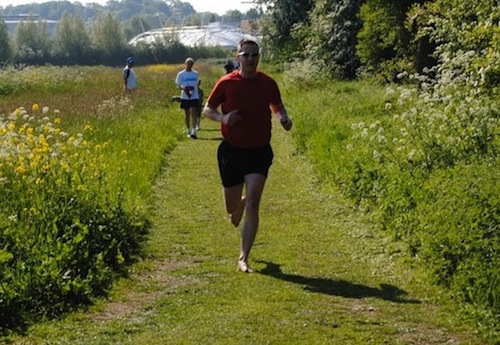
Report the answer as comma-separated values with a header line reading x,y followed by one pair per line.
x,y
212,35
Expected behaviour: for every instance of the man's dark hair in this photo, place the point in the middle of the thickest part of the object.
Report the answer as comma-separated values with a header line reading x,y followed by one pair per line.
x,y
247,41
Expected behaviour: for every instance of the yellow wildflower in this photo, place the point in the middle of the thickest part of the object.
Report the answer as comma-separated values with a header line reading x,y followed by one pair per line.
x,y
35,107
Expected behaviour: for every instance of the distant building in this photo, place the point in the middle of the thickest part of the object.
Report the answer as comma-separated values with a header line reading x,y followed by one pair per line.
x,y
212,35
13,20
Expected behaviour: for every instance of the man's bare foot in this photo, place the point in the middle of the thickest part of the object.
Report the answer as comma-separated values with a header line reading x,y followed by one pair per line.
x,y
238,213
243,267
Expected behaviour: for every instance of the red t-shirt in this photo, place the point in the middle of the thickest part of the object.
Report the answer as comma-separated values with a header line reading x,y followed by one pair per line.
x,y
252,97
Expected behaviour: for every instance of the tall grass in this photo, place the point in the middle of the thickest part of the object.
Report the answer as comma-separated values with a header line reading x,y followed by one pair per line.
x,y
424,162
79,158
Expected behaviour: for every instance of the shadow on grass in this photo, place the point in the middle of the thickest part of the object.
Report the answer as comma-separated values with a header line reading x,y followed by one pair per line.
x,y
210,139
210,129
340,288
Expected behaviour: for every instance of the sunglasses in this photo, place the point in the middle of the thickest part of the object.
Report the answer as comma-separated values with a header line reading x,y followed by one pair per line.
x,y
247,55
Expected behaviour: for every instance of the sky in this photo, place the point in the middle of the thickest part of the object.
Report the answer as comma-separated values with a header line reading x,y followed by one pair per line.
x,y
218,6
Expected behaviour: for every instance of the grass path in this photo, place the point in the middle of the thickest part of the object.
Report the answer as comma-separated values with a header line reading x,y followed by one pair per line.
x,y
322,277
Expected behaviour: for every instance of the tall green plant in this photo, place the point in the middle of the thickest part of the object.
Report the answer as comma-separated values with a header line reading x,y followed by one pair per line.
x,y
6,52
280,17
32,42
385,45
72,41
329,38
108,38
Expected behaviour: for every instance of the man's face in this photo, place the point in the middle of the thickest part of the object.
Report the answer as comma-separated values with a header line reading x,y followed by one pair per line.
x,y
248,56
189,65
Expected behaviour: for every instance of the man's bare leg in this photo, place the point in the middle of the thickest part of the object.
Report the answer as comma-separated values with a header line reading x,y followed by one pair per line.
x,y
254,188
192,113
235,203
187,121
238,213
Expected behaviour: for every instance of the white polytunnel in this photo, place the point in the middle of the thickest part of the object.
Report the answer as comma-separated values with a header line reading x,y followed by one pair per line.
x,y
212,35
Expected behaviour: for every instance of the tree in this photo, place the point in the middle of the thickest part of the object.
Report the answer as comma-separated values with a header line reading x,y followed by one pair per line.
x,y
32,42
136,26
252,14
6,52
192,20
108,38
233,16
72,41
280,18
385,43
468,36
329,38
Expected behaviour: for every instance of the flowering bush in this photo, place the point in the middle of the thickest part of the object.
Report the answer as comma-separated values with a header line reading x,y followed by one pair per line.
x,y
63,234
424,156
432,171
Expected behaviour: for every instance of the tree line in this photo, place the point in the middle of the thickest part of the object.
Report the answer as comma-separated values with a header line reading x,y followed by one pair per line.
x,y
344,39
95,34
351,38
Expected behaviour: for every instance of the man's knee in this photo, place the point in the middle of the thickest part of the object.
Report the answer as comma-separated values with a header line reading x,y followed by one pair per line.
x,y
252,204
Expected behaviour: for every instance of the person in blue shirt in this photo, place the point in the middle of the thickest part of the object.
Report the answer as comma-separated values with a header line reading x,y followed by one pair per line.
x,y
129,77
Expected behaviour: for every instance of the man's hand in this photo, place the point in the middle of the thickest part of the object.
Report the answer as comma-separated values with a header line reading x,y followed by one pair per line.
x,y
187,90
286,122
231,118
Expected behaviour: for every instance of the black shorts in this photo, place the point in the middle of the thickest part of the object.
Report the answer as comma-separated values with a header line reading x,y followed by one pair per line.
x,y
236,162
189,103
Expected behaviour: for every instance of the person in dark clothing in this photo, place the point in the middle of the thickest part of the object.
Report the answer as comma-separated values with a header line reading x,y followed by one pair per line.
x,y
229,66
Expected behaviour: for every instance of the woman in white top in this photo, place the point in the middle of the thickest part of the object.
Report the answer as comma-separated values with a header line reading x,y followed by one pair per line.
x,y
187,81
